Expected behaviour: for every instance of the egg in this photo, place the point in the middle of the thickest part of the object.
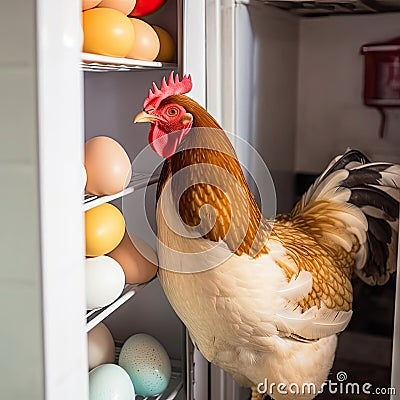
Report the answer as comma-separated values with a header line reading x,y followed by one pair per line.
x,y
147,363
110,382
101,347
105,281
146,7
137,259
86,4
83,178
104,229
167,45
107,31
125,6
108,167
146,44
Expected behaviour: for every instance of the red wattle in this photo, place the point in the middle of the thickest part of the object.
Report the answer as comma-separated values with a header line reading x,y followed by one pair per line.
x,y
163,143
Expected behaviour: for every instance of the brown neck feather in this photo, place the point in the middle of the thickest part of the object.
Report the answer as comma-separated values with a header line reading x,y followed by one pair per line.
x,y
238,220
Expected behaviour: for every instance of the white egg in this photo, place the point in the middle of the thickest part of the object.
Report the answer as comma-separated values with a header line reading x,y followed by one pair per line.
x,y
147,363
110,382
105,280
83,178
101,347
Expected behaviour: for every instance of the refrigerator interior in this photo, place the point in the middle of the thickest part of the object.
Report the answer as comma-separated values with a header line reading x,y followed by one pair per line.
x,y
299,102
111,100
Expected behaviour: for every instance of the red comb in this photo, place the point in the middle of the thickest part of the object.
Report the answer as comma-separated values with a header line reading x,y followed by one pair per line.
x,y
174,86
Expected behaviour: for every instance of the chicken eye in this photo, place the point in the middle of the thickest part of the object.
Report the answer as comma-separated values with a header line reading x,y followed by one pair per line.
x,y
172,111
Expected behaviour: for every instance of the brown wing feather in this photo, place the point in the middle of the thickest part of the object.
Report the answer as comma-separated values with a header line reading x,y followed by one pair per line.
x,y
330,264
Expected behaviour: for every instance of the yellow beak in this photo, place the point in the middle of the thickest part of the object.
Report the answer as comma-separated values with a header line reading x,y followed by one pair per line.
x,y
145,117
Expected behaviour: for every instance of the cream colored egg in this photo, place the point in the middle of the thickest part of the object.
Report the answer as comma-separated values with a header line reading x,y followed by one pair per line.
x,y
83,178
104,280
86,4
146,45
101,347
125,6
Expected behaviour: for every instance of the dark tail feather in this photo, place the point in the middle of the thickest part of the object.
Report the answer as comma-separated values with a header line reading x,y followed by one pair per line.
x,y
375,190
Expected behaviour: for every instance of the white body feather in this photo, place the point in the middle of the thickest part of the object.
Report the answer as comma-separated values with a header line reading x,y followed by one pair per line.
x,y
242,312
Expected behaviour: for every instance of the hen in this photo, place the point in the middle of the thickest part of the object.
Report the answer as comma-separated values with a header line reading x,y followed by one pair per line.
x,y
263,299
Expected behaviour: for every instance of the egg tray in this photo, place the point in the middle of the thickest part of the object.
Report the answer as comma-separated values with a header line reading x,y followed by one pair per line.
x,y
175,385
99,63
95,316
138,181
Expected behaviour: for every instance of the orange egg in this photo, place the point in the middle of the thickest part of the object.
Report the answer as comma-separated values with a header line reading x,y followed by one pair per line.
x,y
107,165
137,259
146,44
108,32
86,4
167,45
105,227
125,6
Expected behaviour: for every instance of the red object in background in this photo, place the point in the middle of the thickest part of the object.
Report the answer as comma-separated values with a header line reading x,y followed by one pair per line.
x,y
146,7
382,76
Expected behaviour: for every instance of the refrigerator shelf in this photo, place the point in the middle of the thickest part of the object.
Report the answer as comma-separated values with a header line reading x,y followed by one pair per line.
x,y
95,316
98,63
137,182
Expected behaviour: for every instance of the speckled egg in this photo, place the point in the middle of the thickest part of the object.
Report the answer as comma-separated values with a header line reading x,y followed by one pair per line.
x,y
147,363
109,381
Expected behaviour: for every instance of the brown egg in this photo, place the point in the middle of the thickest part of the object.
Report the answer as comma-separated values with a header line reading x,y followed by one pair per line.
x,y
108,167
146,45
86,4
125,6
137,259
167,45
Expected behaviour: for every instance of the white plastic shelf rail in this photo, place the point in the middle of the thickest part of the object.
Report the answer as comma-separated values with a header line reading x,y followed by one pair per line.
x,y
138,181
98,63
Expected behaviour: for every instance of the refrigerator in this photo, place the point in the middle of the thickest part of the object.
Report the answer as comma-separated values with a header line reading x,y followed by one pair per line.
x,y
284,77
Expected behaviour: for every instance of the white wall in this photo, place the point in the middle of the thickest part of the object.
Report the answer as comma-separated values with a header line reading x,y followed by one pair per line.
x,y
266,86
330,111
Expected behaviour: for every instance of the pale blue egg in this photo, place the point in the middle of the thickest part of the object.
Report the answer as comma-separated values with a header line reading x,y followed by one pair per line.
x,y
110,382
147,363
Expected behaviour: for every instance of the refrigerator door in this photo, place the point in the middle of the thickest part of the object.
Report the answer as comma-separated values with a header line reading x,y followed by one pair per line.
x,y
43,341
